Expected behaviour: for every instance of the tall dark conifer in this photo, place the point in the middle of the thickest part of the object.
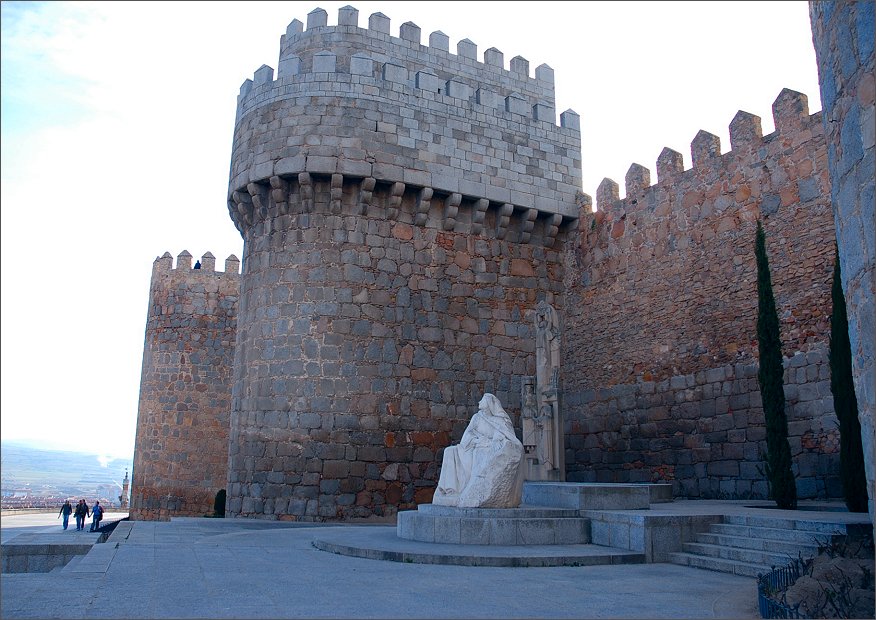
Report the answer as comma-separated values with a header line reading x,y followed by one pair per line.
x,y
844,401
783,489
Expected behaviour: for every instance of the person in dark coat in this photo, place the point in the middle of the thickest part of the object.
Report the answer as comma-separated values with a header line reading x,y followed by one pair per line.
x,y
66,509
81,513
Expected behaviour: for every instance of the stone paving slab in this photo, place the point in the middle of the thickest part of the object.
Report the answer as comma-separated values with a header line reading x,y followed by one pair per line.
x,y
233,568
27,548
384,544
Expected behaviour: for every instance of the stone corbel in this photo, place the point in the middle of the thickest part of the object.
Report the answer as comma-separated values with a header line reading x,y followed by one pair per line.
x,y
243,203
395,199
366,193
451,210
337,192
527,225
477,216
502,219
259,195
280,194
424,201
305,189
551,229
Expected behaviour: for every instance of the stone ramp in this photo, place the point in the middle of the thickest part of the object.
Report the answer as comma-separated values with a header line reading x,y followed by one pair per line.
x,y
382,543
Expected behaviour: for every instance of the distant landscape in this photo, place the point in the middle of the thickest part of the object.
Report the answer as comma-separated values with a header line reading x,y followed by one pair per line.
x,y
56,473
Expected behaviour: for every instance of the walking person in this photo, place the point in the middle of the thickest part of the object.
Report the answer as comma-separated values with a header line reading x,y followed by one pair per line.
x,y
80,514
66,509
96,516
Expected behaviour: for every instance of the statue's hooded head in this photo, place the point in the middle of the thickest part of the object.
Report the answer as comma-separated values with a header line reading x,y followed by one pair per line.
x,y
490,405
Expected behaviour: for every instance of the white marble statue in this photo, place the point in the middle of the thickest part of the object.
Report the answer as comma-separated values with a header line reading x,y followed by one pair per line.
x,y
483,471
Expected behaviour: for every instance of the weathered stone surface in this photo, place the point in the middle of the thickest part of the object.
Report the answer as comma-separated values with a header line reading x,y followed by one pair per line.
x,y
374,338
843,36
541,418
483,471
394,248
180,451
331,86
684,432
662,301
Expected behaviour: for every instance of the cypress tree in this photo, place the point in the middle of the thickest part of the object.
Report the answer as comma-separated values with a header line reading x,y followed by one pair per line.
x,y
783,489
844,401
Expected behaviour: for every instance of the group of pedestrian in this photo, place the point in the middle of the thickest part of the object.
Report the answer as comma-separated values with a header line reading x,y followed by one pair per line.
x,y
81,512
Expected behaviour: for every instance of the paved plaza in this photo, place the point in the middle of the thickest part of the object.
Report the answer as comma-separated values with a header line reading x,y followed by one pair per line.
x,y
236,568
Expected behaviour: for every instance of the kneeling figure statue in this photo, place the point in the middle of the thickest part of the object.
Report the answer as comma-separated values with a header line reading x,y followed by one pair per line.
x,y
484,470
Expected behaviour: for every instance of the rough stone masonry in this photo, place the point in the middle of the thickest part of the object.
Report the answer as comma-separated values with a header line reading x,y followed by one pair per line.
x,y
404,208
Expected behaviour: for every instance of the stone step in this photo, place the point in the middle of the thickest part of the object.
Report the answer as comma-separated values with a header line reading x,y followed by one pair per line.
x,y
720,565
739,554
588,495
382,543
492,530
807,537
524,511
796,524
760,544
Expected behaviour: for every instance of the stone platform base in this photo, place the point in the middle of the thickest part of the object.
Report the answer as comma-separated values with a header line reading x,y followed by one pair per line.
x,y
596,495
381,543
553,527
660,492
525,525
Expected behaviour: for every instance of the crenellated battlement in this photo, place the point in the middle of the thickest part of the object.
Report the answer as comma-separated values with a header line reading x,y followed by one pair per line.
x,y
794,126
693,231
661,352
433,67
207,264
363,104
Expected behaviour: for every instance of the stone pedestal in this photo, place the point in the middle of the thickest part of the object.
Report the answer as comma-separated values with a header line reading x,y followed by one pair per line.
x,y
587,495
526,525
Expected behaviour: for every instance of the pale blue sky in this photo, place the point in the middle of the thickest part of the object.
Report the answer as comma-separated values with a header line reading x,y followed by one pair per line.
x,y
117,120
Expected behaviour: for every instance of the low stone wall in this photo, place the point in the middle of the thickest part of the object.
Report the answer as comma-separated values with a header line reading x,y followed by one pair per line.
x,y
705,432
656,536
39,558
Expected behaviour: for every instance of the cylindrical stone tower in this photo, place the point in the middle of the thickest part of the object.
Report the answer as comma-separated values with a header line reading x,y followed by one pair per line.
x,y
402,210
843,34
181,449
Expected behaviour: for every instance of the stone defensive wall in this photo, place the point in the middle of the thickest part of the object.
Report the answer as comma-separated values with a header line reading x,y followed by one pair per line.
x,y
181,447
403,210
402,213
660,358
